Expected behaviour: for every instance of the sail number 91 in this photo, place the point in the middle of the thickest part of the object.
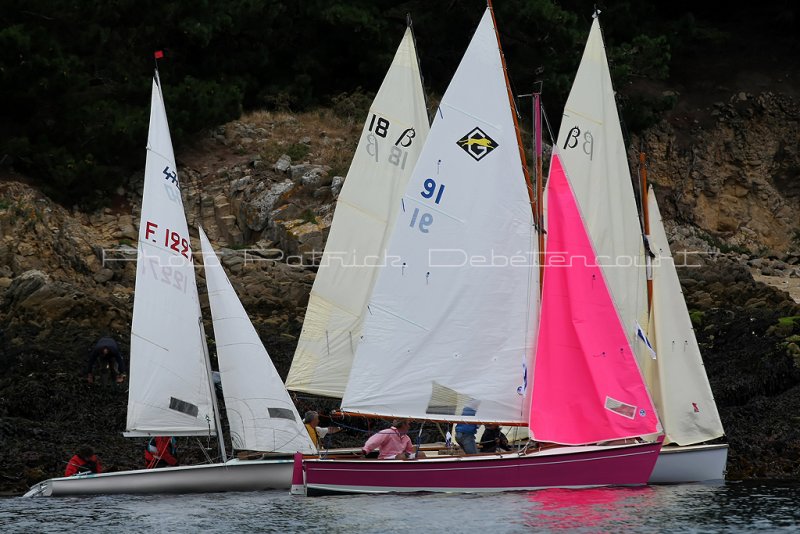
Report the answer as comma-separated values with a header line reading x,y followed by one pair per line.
x,y
424,221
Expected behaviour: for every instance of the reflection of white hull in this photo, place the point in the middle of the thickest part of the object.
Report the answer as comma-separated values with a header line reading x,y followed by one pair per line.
x,y
235,475
691,463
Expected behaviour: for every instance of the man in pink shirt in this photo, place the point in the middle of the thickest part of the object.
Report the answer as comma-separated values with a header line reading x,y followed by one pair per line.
x,y
392,443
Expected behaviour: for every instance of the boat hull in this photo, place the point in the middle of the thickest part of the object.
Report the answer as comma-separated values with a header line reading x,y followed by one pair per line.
x,y
235,475
561,467
691,463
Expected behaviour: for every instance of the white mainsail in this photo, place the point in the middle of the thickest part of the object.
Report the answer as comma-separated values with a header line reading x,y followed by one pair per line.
x,y
452,317
677,377
593,154
390,143
261,415
169,384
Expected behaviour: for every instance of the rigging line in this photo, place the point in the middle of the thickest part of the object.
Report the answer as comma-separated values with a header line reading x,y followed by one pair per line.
x,y
204,450
419,68
547,123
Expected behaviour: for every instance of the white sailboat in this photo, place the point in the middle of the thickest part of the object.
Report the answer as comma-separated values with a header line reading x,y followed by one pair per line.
x,y
677,377
394,132
170,377
593,153
451,322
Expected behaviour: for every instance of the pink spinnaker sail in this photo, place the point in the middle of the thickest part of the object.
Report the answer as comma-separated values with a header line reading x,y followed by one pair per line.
x,y
586,384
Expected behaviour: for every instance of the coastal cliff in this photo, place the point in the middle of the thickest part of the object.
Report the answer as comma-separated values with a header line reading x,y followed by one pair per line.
x,y
264,189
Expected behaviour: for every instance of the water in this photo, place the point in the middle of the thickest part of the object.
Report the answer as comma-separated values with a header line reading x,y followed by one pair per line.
x,y
731,507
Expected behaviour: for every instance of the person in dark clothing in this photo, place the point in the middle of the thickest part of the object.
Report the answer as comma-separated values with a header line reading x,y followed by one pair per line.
x,y
465,432
493,440
107,352
84,461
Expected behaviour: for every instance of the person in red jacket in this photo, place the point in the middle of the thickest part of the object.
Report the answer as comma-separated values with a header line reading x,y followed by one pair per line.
x,y
84,461
161,451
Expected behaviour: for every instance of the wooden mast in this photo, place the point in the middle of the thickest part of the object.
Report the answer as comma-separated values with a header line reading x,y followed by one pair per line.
x,y
538,215
646,226
513,114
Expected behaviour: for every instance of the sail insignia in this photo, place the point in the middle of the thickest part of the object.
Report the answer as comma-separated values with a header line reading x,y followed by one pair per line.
x,y
477,144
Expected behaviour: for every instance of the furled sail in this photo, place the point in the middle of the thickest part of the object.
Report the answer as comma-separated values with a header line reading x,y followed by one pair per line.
x,y
677,377
450,324
261,415
169,384
390,143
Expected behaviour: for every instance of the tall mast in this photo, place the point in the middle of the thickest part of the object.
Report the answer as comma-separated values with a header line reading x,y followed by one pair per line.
x,y
513,105
538,215
214,403
646,226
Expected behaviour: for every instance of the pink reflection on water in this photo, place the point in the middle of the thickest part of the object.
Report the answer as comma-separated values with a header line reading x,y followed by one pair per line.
x,y
592,509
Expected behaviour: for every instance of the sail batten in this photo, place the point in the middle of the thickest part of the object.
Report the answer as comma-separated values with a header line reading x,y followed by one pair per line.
x,y
391,140
167,343
449,319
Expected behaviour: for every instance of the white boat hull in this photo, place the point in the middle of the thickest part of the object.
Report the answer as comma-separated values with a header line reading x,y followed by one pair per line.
x,y
691,463
235,475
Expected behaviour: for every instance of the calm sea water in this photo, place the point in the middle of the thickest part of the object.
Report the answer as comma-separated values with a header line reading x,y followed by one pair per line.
x,y
731,507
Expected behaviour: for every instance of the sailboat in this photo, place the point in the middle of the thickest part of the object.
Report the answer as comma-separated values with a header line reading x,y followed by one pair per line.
x,y
593,154
677,377
391,140
451,323
170,376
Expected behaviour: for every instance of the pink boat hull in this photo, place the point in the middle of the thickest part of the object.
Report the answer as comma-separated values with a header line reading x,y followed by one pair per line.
x,y
561,467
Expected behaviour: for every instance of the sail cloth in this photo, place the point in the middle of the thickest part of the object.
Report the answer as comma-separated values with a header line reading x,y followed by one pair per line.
x,y
261,415
586,384
592,152
169,385
451,319
390,143
677,377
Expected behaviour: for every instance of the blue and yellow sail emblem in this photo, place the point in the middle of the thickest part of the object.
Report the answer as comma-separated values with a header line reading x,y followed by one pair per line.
x,y
477,144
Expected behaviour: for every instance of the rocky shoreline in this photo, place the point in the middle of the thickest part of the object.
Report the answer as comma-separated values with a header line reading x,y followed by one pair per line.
x,y
264,190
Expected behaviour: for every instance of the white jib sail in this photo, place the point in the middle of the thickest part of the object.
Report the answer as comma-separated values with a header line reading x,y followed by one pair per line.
x,y
261,415
593,154
677,377
451,318
169,386
390,143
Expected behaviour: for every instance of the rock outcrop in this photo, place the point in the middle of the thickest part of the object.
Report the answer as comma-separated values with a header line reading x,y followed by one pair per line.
x,y
264,190
735,178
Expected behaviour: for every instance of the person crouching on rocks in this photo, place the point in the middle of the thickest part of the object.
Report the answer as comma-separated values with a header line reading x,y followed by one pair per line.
x,y
107,351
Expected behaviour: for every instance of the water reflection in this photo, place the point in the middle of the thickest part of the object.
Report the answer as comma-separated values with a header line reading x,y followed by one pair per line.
x,y
731,507
588,510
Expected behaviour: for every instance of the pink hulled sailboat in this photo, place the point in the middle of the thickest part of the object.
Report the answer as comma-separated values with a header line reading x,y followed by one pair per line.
x,y
452,321
593,153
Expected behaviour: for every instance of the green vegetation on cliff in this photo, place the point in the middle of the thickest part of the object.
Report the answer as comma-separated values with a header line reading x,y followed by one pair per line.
x,y
74,76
